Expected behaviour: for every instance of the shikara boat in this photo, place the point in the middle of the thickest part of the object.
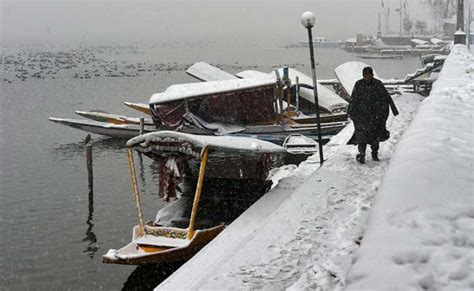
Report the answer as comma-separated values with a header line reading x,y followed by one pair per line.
x,y
245,107
204,158
332,107
256,107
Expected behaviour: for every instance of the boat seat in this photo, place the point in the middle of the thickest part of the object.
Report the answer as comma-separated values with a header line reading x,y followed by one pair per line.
x,y
152,240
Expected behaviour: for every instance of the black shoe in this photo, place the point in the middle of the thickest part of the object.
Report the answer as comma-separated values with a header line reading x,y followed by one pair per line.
x,y
375,157
360,158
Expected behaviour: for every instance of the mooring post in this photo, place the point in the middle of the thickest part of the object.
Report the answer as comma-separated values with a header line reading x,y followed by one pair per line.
x,y
142,125
89,167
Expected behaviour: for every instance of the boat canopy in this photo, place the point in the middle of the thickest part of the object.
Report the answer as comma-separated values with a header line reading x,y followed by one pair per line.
x,y
349,73
206,72
203,89
230,102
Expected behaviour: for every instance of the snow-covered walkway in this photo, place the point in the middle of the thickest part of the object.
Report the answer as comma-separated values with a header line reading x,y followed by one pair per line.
x,y
303,232
420,234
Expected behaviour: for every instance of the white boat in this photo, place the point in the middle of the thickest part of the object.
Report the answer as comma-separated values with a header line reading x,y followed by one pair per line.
x,y
349,73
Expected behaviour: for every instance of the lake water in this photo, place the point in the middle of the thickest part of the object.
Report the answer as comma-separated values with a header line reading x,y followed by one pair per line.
x,y
52,233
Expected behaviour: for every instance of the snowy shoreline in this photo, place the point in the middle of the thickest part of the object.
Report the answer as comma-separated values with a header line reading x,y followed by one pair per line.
x,y
305,233
420,234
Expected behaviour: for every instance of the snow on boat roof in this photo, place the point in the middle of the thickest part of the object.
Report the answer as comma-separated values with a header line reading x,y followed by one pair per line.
x,y
327,98
189,90
349,73
222,143
418,41
206,72
252,74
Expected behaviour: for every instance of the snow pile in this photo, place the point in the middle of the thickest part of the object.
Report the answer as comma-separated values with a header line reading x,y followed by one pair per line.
x,y
420,234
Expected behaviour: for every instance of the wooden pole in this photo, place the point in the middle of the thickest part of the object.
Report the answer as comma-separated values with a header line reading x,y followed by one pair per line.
x,y
197,196
90,174
133,175
297,94
142,125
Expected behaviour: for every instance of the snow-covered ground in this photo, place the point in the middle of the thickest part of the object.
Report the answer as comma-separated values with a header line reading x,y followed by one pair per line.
x,y
420,234
304,233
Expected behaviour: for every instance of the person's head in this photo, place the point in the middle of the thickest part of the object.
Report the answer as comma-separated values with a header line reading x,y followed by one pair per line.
x,y
368,74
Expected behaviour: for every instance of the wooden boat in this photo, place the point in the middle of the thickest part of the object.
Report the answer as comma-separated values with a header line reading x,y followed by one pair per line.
x,y
247,107
206,157
244,107
329,102
114,118
123,131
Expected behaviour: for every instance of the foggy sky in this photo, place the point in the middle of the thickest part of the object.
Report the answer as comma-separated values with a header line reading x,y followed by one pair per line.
x,y
162,21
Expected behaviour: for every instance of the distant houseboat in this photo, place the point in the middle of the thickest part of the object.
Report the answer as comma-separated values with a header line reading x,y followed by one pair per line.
x,y
321,42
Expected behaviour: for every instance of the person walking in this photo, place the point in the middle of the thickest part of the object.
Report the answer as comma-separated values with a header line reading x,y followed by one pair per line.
x,y
369,110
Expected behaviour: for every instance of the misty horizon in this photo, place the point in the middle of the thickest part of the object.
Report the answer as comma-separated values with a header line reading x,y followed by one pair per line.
x,y
110,21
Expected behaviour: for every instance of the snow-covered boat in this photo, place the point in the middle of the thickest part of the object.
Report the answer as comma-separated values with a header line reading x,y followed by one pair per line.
x,y
202,158
256,107
248,107
349,73
329,102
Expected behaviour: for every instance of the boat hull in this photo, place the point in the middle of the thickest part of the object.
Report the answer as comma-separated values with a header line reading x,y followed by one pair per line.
x,y
121,131
136,253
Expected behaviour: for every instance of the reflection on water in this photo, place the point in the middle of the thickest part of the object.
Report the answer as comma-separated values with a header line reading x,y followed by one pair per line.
x,y
147,277
70,150
141,171
91,238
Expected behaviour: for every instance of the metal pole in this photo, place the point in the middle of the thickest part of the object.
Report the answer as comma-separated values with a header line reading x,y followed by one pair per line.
x,y
315,92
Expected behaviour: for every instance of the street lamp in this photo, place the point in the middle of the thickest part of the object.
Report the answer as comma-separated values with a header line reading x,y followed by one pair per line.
x,y
308,20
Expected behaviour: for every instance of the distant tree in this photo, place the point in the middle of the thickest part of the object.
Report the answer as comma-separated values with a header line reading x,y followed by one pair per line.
x,y
407,24
441,8
420,26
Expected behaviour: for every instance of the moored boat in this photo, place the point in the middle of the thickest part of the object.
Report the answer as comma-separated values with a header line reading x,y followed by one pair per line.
x,y
203,158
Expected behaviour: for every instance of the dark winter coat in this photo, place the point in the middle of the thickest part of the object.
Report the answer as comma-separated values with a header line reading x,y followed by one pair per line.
x,y
369,109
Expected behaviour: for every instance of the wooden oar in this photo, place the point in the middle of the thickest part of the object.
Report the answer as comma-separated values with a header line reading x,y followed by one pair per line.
x,y
133,175
197,196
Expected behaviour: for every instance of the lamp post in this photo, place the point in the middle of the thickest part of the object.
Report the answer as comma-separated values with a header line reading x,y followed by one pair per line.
x,y
308,20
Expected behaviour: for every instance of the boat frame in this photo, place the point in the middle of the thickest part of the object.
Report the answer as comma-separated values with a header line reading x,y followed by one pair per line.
x,y
158,244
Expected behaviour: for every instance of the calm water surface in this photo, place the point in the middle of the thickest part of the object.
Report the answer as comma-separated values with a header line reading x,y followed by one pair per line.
x,y
53,232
